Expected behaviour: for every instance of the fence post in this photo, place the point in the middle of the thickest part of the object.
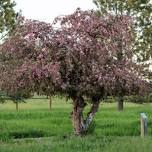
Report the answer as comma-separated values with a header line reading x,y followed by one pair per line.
x,y
143,121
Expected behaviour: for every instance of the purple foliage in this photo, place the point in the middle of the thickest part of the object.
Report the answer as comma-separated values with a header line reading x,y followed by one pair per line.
x,y
86,55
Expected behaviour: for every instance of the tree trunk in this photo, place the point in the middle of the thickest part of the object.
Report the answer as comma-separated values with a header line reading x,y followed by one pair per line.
x,y
91,114
120,104
77,115
16,103
80,124
50,102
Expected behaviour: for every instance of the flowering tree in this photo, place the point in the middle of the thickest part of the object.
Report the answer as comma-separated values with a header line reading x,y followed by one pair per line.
x,y
81,58
24,67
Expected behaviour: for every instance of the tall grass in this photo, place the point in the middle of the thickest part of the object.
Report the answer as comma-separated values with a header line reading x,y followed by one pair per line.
x,y
34,128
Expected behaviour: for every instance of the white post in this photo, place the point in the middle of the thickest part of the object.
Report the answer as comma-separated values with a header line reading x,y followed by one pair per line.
x,y
143,120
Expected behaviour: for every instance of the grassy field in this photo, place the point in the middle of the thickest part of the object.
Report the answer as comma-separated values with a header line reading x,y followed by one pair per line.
x,y
34,128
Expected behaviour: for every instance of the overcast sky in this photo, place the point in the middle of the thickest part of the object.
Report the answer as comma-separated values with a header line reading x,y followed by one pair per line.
x,y
47,10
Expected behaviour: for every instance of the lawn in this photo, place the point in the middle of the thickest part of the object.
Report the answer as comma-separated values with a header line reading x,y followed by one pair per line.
x,y
35,128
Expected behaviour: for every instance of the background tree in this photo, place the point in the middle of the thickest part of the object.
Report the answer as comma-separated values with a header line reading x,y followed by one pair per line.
x,y
25,61
79,59
7,16
141,12
7,20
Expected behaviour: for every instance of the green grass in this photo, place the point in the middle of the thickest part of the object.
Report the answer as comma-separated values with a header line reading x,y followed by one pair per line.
x,y
34,128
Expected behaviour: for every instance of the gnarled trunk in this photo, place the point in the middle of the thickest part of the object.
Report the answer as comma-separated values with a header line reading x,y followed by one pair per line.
x,y
91,114
77,115
80,124
120,104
